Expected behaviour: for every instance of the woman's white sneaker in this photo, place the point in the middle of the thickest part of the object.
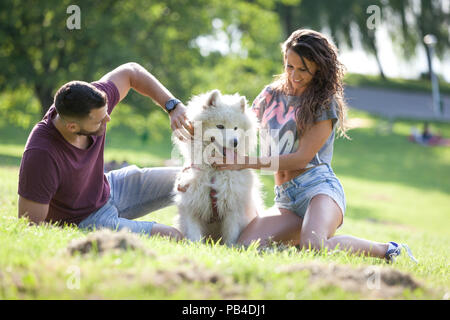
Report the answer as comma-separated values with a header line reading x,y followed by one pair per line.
x,y
395,249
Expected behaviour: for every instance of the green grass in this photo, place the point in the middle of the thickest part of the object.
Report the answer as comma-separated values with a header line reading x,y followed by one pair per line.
x,y
395,191
412,85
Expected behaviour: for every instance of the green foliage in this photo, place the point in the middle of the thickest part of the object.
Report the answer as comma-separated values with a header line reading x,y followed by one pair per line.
x,y
38,50
154,124
408,21
38,53
254,36
19,108
412,20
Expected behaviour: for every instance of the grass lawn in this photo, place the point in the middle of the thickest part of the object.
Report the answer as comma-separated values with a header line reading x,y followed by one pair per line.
x,y
395,190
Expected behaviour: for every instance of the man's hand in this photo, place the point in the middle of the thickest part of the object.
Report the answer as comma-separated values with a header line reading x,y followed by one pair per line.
x,y
133,75
180,124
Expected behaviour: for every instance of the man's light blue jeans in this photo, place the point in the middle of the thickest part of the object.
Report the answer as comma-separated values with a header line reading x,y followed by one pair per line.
x,y
134,193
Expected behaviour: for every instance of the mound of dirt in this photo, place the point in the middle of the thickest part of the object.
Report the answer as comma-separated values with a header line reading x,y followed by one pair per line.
x,y
107,241
212,282
186,273
372,281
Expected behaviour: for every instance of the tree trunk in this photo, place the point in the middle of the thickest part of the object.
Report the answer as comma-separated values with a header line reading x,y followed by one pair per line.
x,y
374,48
427,51
45,97
289,24
285,14
380,67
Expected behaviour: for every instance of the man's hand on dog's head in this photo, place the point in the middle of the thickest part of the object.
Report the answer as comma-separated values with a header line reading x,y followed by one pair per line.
x,y
180,124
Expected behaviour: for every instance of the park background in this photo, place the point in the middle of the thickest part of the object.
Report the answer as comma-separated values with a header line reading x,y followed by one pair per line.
x,y
396,190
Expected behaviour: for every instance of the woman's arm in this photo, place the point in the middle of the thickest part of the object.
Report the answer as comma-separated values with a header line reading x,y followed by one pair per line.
x,y
310,143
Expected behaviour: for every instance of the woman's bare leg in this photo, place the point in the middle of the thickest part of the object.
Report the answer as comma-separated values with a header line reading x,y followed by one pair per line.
x,y
322,218
278,225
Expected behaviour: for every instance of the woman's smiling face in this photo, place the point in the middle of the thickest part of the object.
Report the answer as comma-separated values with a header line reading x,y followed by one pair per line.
x,y
299,74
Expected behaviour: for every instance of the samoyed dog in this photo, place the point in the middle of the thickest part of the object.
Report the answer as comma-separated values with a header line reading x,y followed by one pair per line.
x,y
217,204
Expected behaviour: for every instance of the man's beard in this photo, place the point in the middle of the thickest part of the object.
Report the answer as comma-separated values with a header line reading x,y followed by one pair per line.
x,y
98,133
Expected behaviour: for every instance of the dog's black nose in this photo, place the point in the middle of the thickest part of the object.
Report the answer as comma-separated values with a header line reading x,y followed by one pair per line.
x,y
235,142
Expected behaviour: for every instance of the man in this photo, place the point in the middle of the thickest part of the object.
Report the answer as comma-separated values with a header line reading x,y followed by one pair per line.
x,y
61,174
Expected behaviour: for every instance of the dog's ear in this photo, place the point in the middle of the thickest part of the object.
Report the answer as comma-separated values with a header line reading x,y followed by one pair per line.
x,y
243,103
212,99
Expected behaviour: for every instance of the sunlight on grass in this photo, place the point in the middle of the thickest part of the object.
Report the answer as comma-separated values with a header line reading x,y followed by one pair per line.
x,y
395,191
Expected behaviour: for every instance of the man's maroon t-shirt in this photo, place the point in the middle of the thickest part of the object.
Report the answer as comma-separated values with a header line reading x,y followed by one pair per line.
x,y
69,179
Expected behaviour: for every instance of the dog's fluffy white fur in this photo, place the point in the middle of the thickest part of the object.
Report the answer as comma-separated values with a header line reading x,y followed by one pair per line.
x,y
226,124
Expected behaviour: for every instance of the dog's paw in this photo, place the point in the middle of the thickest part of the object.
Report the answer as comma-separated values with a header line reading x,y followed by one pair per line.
x,y
182,188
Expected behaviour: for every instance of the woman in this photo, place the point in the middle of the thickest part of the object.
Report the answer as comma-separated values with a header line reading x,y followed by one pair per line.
x,y
303,107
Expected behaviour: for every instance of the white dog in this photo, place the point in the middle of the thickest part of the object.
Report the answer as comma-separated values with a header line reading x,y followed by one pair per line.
x,y
217,204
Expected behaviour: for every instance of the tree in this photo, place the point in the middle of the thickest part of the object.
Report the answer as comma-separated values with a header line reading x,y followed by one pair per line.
x,y
39,51
338,17
254,57
417,19
408,21
367,27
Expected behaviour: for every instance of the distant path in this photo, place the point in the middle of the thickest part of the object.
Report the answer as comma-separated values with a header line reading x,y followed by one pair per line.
x,y
395,104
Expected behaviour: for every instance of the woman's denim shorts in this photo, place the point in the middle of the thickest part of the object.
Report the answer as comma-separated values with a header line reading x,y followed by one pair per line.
x,y
296,194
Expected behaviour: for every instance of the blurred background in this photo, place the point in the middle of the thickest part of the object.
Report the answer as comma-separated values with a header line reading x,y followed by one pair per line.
x,y
197,45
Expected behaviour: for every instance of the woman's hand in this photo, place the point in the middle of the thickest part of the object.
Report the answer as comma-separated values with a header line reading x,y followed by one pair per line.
x,y
180,124
235,166
231,161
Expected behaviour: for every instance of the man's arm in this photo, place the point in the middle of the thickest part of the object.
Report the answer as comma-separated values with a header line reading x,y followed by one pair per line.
x,y
133,75
34,211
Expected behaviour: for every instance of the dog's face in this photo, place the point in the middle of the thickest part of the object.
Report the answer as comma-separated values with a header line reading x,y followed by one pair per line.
x,y
221,123
227,125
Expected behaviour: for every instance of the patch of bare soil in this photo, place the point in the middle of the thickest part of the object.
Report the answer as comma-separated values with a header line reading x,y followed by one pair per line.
x,y
185,274
107,241
373,282
213,283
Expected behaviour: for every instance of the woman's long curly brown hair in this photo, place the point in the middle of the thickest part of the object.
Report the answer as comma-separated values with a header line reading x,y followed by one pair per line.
x,y
327,83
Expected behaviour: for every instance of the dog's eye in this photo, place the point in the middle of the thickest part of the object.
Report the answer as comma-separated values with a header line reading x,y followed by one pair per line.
x,y
219,126
235,128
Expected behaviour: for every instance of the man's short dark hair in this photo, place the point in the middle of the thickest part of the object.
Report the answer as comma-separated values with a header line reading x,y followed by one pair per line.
x,y
78,98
